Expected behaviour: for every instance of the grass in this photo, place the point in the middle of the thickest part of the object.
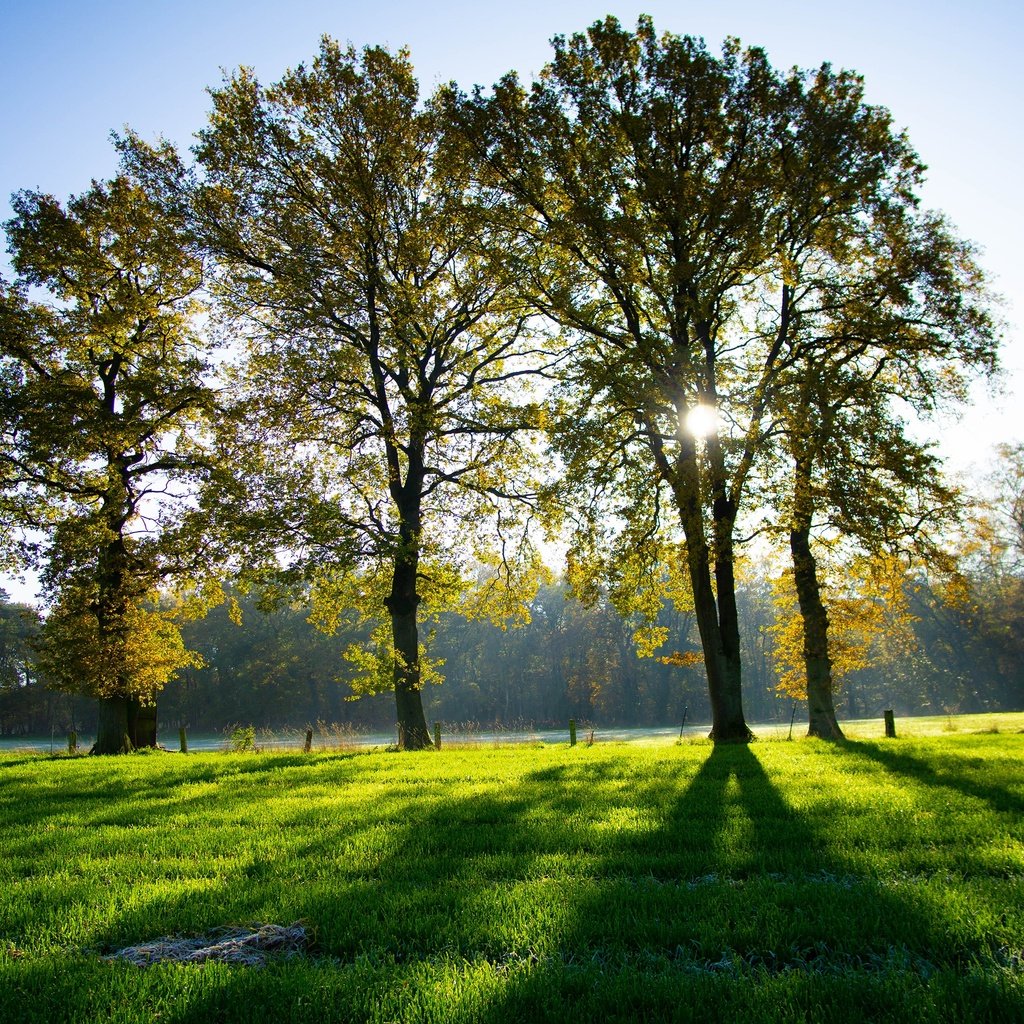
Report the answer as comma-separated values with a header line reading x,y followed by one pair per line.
x,y
877,880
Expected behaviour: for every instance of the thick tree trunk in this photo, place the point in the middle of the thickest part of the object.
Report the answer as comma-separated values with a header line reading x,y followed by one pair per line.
x,y
113,733
817,663
733,728
717,620
141,723
723,667
121,726
401,605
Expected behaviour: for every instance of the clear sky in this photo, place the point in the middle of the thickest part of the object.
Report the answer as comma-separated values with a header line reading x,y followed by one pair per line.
x,y
951,72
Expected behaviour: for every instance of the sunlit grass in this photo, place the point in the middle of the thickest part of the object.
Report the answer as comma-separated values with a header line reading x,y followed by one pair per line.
x,y
873,880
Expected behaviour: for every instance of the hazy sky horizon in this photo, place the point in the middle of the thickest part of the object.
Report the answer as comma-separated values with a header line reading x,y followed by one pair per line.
x,y
951,76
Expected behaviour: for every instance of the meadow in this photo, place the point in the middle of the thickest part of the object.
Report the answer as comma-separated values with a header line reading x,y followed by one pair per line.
x,y
873,880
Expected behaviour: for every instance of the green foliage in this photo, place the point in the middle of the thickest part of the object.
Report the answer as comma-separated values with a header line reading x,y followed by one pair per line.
x,y
780,882
710,233
243,739
143,647
386,353
720,235
104,401
381,424
19,624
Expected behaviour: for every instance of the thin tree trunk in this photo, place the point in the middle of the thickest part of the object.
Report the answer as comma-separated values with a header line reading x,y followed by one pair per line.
x,y
817,663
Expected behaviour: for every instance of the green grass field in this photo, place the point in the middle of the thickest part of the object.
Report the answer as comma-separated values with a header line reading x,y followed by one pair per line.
x,y
878,880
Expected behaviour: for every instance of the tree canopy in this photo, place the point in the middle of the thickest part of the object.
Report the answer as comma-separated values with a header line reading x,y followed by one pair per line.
x,y
382,429
697,290
104,401
688,216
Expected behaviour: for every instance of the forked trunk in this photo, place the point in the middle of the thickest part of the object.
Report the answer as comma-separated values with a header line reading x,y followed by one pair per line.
x,y
728,724
719,639
817,663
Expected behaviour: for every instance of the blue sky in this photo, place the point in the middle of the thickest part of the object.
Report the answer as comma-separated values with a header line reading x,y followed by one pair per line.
x,y
952,74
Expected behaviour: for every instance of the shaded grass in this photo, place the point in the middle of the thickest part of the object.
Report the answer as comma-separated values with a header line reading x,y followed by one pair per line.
x,y
869,880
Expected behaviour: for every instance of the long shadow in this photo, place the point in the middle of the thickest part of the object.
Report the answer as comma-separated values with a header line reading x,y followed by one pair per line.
x,y
580,891
956,778
739,891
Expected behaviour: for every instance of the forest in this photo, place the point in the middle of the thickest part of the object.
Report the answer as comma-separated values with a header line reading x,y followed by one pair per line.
x,y
294,426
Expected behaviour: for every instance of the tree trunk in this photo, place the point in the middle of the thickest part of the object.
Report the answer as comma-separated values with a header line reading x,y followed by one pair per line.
x,y
401,605
141,723
120,726
817,663
721,654
113,734
733,728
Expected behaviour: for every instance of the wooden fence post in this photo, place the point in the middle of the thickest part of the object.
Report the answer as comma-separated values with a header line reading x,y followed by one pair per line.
x,y
182,739
572,732
308,745
890,724
437,735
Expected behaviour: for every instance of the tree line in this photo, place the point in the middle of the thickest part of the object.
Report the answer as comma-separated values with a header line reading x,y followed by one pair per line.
x,y
932,647
362,349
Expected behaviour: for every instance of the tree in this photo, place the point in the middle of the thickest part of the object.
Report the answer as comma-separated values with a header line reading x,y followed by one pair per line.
x,y
668,197
103,402
1005,507
888,311
19,624
383,414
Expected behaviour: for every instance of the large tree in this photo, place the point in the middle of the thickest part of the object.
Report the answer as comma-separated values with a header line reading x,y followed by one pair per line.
x,y
382,408
888,316
666,193
103,399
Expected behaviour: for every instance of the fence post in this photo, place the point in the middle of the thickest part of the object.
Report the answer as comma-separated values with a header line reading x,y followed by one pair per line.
x,y
572,732
308,745
437,735
182,739
890,724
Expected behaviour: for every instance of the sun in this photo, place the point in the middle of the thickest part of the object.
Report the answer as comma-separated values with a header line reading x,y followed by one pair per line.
x,y
702,420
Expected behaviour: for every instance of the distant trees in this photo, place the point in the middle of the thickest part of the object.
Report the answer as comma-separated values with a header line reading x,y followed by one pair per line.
x,y
275,669
103,402
19,624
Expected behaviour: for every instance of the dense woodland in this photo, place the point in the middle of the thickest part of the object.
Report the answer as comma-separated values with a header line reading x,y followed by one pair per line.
x,y
297,417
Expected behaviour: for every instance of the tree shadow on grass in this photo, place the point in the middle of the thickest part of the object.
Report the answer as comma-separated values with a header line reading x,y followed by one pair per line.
x,y
741,903
588,889
956,777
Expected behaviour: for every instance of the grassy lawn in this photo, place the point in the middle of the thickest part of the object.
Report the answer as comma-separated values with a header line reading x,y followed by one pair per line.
x,y
878,880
